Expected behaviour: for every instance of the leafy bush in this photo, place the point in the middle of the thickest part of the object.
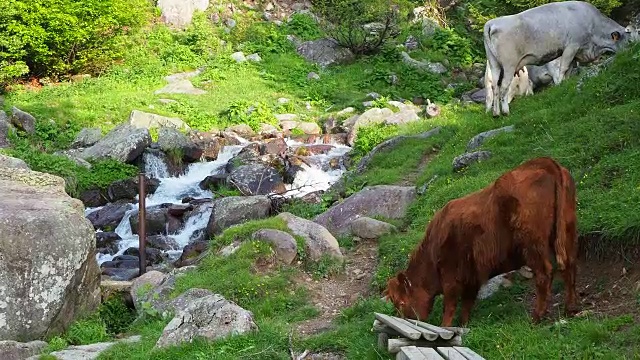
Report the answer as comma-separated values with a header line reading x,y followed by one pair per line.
x,y
304,27
457,49
86,331
370,136
361,26
116,315
242,112
55,37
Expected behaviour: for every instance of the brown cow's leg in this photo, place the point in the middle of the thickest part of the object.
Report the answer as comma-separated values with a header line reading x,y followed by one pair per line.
x,y
451,294
569,276
468,300
543,271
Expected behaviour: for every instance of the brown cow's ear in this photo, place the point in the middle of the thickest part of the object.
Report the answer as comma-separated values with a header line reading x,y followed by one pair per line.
x,y
615,36
403,278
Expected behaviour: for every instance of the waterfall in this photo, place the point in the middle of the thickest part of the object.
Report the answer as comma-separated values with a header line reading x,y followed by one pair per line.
x,y
155,165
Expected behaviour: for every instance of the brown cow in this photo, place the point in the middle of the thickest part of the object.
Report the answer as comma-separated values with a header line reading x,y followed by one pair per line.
x,y
522,218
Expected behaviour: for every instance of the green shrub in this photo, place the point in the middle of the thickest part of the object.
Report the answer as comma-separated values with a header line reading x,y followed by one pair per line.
x,y
86,331
56,37
304,27
370,136
457,49
116,315
243,112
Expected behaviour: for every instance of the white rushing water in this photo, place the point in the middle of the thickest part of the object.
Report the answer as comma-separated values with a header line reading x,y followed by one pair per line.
x,y
173,189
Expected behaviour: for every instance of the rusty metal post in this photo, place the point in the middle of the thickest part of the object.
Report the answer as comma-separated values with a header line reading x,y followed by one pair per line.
x,y
142,222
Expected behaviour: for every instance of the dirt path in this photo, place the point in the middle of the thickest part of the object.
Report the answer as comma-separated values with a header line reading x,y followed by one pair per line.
x,y
340,291
411,178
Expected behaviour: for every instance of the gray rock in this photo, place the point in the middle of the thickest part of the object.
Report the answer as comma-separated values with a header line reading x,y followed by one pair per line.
x,y
89,352
346,111
369,117
144,288
13,163
107,242
108,217
74,155
235,210
230,23
158,222
13,350
284,245
268,129
313,76
436,68
124,143
479,139
171,139
23,120
464,160
318,241
5,129
211,317
257,179
179,13
243,130
183,86
309,128
387,201
411,43
285,117
283,100
254,57
324,52
404,116
368,228
48,274
492,286
87,137
141,119
209,142
238,57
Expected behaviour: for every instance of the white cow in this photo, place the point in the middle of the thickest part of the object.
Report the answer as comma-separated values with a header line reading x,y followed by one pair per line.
x,y
567,30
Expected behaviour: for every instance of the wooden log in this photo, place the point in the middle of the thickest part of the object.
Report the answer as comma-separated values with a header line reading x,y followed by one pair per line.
x,y
450,353
410,353
383,341
394,345
468,353
430,353
401,327
458,330
380,327
443,333
426,333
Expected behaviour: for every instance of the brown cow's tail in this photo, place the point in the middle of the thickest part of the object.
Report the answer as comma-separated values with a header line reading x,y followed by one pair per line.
x,y
560,244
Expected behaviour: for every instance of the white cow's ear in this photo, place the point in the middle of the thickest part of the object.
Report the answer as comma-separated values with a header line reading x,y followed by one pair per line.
x,y
627,30
615,35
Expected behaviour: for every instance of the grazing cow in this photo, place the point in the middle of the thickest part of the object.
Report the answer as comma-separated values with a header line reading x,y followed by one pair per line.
x,y
522,218
520,86
567,29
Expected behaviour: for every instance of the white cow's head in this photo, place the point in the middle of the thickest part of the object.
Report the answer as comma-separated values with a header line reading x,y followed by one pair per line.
x,y
633,33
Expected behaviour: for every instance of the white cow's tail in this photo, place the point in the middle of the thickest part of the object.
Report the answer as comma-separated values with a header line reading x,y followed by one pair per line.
x,y
491,51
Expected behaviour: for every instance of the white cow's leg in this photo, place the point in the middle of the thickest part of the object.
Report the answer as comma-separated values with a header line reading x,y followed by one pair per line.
x,y
488,88
566,59
507,78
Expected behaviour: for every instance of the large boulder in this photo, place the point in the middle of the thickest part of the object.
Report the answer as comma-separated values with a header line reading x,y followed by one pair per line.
x,y
109,216
387,201
13,350
324,52
5,129
257,179
211,317
178,13
209,142
124,143
235,210
170,139
48,273
318,241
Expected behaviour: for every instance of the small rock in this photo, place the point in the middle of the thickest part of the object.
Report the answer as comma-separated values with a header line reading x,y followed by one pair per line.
x,y
318,240
268,129
479,139
13,350
368,228
23,120
284,244
346,111
411,43
13,163
230,23
283,100
374,95
254,58
324,52
309,128
214,182
87,137
107,242
464,160
230,249
242,130
313,76
238,57
285,117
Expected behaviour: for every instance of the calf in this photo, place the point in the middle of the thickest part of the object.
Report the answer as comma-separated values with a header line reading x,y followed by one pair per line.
x,y
567,30
520,86
522,218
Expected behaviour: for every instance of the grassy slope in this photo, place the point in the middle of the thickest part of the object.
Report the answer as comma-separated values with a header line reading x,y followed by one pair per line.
x,y
593,133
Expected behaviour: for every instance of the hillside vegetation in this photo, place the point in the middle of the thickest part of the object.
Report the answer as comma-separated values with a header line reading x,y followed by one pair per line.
x,y
592,131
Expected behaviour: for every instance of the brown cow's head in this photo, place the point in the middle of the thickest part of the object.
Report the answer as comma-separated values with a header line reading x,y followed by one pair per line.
x,y
409,300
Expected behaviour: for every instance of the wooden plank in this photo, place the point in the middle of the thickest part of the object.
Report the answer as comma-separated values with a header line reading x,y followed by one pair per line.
x,y
380,327
394,345
450,353
443,333
426,333
404,329
430,354
468,353
410,353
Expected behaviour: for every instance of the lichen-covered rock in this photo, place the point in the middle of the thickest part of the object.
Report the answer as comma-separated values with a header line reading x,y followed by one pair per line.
x,y
143,120
124,143
283,244
87,137
48,273
466,159
257,179
368,228
170,139
235,210
211,317
13,163
479,139
13,350
178,13
317,239
5,129
387,201
324,52
23,120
